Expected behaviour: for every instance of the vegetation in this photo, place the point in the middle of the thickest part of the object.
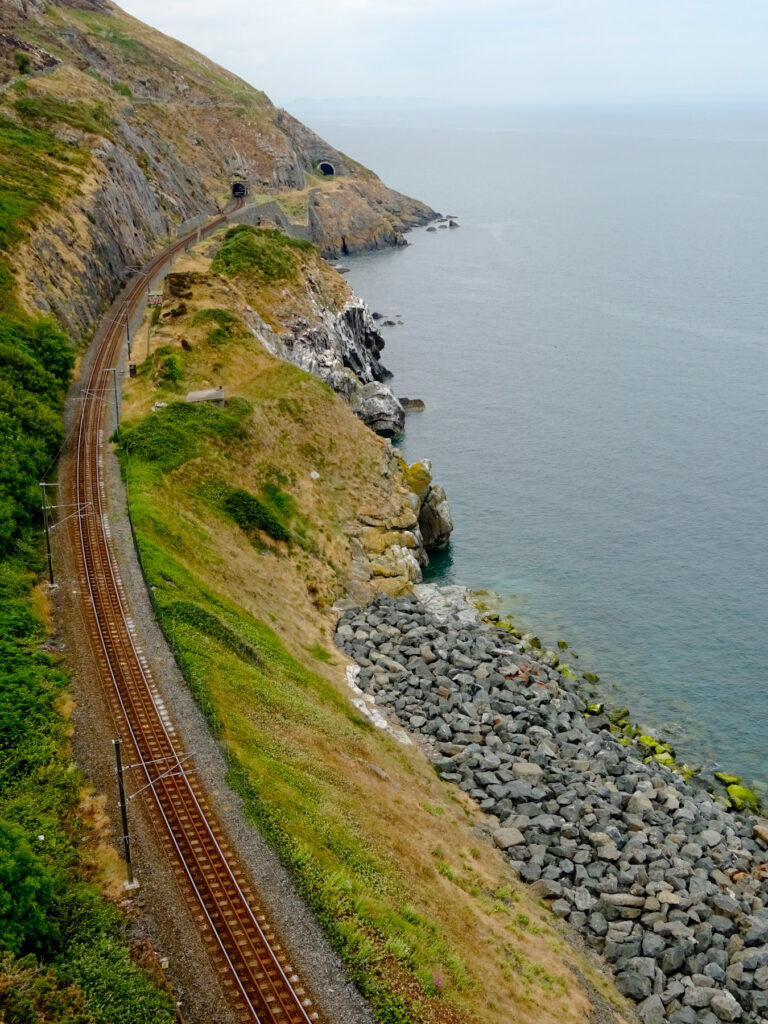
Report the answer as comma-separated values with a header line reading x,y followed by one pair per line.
x,y
174,435
65,957
40,109
254,513
227,327
429,933
34,168
263,254
22,62
35,365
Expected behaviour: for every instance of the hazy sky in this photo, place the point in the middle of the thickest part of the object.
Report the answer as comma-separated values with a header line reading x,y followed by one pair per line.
x,y
483,51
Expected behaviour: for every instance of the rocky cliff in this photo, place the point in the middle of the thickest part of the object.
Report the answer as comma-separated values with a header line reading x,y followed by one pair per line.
x,y
156,130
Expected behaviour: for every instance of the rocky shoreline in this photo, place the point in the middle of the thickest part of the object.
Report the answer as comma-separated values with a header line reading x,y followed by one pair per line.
x,y
669,885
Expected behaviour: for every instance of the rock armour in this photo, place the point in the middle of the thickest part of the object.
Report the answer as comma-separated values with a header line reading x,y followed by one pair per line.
x,y
665,882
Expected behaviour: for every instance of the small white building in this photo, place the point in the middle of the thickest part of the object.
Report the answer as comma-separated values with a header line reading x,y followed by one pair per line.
x,y
216,395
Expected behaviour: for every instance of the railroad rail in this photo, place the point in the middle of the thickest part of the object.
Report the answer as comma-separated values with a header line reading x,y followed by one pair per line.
x,y
257,981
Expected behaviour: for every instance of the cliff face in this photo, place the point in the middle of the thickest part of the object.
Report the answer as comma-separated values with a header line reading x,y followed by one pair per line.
x,y
160,130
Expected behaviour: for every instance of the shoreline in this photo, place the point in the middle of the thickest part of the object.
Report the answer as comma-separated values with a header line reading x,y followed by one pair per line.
x,y
666,883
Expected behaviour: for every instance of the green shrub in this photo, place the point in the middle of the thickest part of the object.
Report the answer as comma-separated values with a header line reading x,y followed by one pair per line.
x,y
45,907
171,370
123,89
22,62
227,327
264,254
35,366
252,513
174,435
26,888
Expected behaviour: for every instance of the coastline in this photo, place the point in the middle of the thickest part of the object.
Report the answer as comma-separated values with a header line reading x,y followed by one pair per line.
x,y
667,884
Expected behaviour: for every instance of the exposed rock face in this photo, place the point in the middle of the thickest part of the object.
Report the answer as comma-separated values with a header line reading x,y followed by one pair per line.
x,y
392,538
170,137
361,215
378,408
342,349
435,520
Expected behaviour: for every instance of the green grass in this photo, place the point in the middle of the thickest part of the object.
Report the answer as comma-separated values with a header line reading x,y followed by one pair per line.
x,y
41,109
174,435
35,168
227,327
275,716
263,254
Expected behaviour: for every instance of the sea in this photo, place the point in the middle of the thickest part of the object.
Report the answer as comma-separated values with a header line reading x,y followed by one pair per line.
x,y
591,345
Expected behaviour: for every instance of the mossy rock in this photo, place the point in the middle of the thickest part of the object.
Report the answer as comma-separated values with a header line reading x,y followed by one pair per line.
x,y
742,798
727,779
532,640
591,677
629,730
618,715
646,741
562,645
419,477
664,757
595,709
688,771
567,672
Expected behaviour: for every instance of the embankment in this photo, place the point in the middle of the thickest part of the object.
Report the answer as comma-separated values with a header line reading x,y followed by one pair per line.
x,y
658,875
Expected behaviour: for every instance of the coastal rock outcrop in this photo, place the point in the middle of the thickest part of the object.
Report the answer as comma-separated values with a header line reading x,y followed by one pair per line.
x,y
391,538
342,349
362,215
435,520
665,882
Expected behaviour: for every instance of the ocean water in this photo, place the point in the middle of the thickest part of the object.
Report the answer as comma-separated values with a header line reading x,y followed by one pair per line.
x,y
592,348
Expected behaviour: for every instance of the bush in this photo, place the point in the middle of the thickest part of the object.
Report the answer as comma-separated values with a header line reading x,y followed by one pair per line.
x,y
174,435
22,62
123,89
264,254
227,325
171,370
251,513
35,366
26,888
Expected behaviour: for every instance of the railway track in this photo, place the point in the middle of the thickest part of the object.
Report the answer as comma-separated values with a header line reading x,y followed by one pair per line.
x,y
260,985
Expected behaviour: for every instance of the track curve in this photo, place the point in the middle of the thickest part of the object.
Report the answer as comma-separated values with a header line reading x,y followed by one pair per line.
x,y
260,985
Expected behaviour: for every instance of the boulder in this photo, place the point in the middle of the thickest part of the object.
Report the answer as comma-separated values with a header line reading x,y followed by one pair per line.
x,y
419,478
435,520
725,1007
378,408
508,837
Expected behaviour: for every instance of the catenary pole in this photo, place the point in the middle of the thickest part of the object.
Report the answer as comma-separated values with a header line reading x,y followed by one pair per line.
x,y
47,532
123,813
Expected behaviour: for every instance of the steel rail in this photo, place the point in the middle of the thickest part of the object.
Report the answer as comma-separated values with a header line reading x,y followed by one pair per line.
x,y
265,992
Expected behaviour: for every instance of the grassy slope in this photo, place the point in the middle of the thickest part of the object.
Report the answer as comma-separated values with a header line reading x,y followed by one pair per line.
x,y
428,916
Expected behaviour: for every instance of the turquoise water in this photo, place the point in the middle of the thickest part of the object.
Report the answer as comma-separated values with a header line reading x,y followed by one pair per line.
x,y
592,348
